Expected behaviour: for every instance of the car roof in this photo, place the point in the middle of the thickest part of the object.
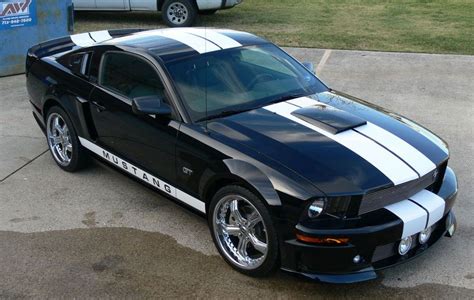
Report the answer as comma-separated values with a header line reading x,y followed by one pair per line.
x,y
175,43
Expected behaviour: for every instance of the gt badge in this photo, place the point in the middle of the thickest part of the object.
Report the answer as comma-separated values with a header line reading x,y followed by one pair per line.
x,y
187,171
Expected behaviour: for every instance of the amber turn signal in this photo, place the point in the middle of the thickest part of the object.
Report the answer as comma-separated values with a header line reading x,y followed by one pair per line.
x,y
322,240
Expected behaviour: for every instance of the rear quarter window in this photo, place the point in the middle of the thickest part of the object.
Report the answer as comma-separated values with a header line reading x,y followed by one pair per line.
x,y
78,63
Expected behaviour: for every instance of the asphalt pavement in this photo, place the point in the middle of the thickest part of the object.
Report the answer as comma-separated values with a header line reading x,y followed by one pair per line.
x,y
97,233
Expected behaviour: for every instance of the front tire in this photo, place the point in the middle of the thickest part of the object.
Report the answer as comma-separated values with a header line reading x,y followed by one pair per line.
x,y
179,13
63,142
243,231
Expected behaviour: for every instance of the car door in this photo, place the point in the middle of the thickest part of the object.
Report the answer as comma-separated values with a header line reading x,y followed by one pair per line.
x,y
84,4
147,141
111,4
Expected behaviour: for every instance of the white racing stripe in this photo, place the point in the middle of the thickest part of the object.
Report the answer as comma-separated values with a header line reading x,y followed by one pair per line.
x,y
144,176
433,203
201,40
197,43
402,149
409,154
385,161
101,36
413,217
427,210
82,39
217,38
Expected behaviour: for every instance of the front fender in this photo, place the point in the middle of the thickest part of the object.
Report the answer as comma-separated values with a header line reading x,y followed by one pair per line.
x,y
254,177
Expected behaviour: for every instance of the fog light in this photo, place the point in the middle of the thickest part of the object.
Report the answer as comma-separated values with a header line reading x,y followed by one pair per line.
x,y
405,245
356,259
424,235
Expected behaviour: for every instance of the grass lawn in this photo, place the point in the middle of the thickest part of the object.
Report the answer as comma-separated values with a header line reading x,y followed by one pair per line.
x,y
404,25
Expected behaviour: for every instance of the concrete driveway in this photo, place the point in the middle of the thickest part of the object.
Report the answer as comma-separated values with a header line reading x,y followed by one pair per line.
x,y
97,233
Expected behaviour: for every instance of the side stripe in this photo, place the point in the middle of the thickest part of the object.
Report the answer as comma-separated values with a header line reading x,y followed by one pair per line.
x,y
390,165
199,44
82,39
101,36
413,217
217,38
144,176
433,203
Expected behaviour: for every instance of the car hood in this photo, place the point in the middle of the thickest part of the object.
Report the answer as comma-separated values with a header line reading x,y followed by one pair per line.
x,y
340,144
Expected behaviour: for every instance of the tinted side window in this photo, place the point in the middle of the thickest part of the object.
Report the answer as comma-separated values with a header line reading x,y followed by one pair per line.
x,y
129,75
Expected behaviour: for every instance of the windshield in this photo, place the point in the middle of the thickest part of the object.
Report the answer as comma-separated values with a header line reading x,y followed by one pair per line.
x,y
240,79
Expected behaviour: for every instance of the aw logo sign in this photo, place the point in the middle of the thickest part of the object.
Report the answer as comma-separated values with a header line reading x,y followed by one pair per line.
x,y
17,13
15,8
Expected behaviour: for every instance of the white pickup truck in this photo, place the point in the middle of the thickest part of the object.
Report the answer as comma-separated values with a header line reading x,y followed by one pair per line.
x,y
176,13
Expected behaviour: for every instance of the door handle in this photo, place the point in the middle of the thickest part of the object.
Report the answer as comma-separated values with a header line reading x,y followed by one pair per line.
x,y
99,106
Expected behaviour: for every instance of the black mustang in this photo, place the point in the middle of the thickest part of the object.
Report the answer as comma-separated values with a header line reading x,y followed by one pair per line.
x,y
289,173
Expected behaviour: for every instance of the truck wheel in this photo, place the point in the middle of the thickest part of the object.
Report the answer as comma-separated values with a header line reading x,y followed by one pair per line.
x,y
207,12
243,231
63,143
179,13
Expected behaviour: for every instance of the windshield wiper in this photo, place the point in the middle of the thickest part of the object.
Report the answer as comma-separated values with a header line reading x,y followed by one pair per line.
x,y
286,97
222,114
230,112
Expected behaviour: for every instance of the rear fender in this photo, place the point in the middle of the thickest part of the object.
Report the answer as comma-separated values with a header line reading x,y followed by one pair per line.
x,y
73,106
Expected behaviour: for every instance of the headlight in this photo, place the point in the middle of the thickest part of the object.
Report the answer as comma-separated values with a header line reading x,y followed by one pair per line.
x,y
316,208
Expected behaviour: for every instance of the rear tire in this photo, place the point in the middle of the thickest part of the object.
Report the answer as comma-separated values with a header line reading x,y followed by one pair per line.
x,y
243,231
63,142
179,13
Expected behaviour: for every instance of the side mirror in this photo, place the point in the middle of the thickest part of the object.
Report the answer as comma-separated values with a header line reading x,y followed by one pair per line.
x,y
309,66
150,105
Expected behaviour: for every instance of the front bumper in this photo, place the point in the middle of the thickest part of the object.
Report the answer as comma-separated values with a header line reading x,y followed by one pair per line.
x,y
231,3
376,244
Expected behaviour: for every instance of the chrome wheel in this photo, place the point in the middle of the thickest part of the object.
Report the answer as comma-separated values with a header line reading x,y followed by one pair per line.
x,y
59,139
177,13
240,232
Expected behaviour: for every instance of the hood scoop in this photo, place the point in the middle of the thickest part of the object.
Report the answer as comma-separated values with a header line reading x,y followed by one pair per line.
x,y
329,118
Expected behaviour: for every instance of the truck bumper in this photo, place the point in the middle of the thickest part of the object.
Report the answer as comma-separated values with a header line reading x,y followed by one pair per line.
x,y
230,3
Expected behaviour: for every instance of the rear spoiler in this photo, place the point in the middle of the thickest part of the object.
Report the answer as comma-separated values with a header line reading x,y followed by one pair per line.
x,y
76,41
